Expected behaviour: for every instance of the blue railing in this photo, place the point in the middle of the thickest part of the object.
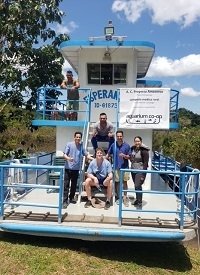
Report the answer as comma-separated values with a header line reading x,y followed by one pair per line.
x,y
186,195
5,185
188,199
165,163
38,174
174,105
56,107
162,162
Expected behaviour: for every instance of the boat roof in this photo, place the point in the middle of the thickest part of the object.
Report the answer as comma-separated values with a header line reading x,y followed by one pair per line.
x,y
145,51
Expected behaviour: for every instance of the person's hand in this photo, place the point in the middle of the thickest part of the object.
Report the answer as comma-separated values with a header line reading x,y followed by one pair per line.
x,y
63,86
121,155
89,158
70,159
110,135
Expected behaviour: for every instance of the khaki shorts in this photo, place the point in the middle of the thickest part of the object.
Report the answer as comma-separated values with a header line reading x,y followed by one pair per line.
x,y
117,175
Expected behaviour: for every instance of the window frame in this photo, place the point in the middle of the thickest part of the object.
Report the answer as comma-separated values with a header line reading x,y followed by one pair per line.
x,y
102,78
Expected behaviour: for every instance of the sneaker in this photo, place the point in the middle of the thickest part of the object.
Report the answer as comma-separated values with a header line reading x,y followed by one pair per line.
x,y
73,201
126,202
65,204
88,204
107,205
117,201
137,203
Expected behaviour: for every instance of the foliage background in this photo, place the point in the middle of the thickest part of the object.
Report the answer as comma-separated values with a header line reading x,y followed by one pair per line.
x,y
183,144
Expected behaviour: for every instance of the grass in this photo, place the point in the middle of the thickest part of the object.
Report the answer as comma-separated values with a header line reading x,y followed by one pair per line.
x,y
30,255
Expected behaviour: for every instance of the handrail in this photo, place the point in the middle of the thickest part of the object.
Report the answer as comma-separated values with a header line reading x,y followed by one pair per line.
x,y
174,105
85,142
182,194
82,171
160,161
32,186
44,113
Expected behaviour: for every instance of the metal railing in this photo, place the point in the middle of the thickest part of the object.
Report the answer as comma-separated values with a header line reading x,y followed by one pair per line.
x,y
174,105
162,162
13,185
57,107
186,197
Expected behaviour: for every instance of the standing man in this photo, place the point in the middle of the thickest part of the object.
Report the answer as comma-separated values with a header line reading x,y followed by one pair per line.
x,y
99,174
73,155
121,152
72,87
102,131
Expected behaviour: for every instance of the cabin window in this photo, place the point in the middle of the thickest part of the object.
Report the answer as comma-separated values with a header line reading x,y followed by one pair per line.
x,y
93,73
119,73
106,74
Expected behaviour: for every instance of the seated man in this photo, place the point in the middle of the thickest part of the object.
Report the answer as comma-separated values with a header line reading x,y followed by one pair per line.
x,y
102,131
99,174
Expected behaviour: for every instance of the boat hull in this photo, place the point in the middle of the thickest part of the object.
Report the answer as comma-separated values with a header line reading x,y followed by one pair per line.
x,y
96,233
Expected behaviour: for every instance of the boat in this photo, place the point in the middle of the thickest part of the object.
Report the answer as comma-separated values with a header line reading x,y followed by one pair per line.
x,y
111,71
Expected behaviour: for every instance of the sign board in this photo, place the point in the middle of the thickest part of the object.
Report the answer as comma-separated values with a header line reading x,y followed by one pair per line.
x,y
103,100
144,108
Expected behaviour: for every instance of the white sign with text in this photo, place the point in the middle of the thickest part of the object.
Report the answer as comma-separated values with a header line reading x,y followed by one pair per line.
x,y
144,108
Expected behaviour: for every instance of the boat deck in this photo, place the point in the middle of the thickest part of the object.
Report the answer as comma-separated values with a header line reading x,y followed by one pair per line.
x,y
78,211
157,216
39,212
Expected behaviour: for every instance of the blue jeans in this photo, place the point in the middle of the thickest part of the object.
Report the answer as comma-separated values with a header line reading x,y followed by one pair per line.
x,y
97,138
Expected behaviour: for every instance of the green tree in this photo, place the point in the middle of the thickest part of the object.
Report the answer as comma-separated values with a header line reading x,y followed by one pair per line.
x,y
24,65
188,118
182,145
29,58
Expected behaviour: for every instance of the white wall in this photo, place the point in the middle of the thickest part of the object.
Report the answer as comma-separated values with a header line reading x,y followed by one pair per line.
x,y
103,94
64,135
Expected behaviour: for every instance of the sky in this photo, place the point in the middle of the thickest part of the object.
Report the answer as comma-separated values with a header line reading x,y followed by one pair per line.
x,y
172,25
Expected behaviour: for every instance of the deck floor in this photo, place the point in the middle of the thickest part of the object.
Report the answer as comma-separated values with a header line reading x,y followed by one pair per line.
x,y
146,223
78,213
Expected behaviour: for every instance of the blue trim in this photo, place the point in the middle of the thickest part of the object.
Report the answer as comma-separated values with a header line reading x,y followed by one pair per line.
x,y
150,83
173,125
103,43
54,123
97,233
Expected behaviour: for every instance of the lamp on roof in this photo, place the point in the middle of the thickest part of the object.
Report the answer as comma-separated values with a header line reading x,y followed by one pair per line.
x,y
109,31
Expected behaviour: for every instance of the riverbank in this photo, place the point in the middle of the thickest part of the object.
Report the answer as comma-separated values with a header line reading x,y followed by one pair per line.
x,y
23,140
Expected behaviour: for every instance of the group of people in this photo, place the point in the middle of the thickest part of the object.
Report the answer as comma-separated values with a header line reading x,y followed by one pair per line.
x,y
100,172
